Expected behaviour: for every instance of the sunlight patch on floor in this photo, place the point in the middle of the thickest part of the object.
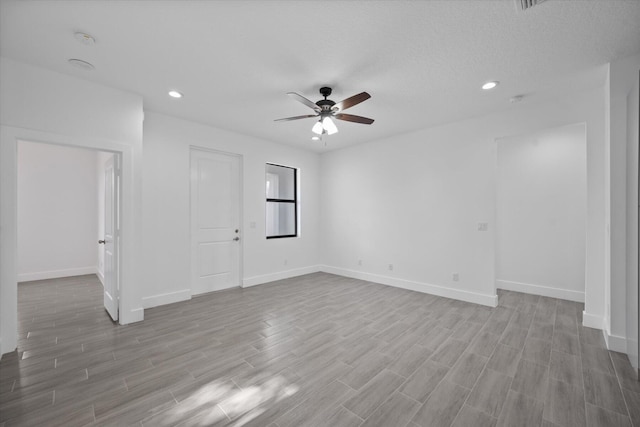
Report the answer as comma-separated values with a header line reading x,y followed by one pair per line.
x,y
211,402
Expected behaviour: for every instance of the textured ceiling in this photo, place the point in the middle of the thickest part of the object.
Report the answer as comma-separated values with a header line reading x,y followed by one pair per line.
x,y
422,62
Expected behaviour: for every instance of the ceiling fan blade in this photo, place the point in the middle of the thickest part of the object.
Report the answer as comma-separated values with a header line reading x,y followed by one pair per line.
x,y
304,100
352,118
350,102
296,118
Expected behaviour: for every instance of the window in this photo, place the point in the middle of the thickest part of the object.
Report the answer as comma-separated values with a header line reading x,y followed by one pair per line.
x,y
282,203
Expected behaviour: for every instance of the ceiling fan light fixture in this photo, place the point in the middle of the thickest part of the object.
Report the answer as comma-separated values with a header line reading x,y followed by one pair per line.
x,y
317,128
175,94
327,110
315,138
329,126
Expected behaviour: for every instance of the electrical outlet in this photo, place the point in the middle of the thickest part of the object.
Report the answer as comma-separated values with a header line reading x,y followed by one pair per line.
x,y
390,267
360,262
286,262
455,277
483,226
252,224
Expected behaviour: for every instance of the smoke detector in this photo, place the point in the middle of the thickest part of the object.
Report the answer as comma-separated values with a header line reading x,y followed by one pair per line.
x,y
527,4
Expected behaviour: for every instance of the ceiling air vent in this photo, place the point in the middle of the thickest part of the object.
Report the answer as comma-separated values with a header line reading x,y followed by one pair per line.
x,y
527,4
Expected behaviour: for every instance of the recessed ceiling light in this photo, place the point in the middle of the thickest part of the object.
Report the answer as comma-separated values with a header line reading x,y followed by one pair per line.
x,y
175,94
490,85
85,38
315,138
83,65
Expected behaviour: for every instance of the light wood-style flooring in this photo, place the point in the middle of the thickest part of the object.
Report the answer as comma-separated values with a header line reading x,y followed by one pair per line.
x,y
316,350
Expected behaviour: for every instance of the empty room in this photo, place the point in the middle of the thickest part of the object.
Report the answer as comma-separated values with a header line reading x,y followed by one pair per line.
x,y
319,213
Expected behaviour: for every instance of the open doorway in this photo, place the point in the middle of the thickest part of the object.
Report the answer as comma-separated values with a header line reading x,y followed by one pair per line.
x,y
67,234
128,217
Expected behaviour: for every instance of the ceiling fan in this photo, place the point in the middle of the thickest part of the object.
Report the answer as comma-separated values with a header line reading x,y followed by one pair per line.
x,y
327,110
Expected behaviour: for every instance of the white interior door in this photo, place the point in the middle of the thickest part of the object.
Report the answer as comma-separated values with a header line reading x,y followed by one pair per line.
x,y
111,187
215,221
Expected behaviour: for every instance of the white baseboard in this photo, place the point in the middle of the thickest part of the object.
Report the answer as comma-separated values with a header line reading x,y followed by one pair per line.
x,y
167,298
616,343
613,342
592,321
100,276
135,315
462,295
545,291
5,347
272,277
54,274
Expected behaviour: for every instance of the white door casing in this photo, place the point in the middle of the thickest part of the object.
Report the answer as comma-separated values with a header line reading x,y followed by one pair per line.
x,y
111,236
215,221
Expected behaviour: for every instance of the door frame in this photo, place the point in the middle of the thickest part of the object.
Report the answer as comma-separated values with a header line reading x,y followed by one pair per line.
x,y
240,157
9,138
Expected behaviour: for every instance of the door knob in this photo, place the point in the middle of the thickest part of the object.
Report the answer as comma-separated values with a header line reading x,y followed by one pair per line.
x,y
101,242
235,239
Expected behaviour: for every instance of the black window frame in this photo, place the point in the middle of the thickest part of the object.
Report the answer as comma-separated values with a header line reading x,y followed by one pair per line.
x,y
294,201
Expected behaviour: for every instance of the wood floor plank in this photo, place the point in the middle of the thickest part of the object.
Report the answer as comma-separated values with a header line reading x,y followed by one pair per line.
x,y
426,378
396,411
566,367
311,409
521,411
490,392
374,393
443,405
564,404
531,379
469,416
467,370
598,417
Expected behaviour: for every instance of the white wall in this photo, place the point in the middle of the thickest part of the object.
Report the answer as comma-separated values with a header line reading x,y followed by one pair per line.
x,y
57,221
166,260
44,106
412,201
541,212
415,201
623,74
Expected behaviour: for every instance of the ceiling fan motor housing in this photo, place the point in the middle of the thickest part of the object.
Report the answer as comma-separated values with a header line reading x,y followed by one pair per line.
x,y
325,103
